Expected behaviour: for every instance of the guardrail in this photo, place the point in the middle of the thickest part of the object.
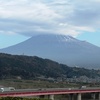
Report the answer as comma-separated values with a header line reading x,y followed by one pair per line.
x,y
46,92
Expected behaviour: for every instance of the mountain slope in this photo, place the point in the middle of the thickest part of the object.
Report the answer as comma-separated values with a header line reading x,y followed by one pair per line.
x,y
30,67
60,48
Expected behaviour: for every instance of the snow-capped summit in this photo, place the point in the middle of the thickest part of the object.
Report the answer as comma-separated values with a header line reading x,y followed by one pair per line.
x,y
61,48
68,38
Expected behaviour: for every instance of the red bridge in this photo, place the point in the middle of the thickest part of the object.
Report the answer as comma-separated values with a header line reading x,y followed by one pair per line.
x,y
51,93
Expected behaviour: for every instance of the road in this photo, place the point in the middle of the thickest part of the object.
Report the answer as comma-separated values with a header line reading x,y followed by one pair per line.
x,y
46,91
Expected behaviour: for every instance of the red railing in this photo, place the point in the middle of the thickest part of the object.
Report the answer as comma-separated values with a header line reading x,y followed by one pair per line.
x,y
45,92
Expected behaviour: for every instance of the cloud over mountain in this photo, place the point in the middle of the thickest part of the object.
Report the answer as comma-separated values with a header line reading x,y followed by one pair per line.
x,y
29,17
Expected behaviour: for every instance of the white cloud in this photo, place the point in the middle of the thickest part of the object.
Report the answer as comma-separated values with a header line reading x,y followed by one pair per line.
x,y
7,32
29,17
29,10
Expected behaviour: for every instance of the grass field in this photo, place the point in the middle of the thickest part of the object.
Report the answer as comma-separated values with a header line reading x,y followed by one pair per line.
x,y
22,84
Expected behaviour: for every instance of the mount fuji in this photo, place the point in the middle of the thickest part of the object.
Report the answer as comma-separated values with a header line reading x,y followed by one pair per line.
x,y
61,48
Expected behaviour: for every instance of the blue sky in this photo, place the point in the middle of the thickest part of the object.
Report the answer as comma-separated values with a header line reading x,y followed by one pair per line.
x,y
21,19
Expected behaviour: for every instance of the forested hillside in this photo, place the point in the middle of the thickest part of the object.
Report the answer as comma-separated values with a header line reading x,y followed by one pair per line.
x,y
30,67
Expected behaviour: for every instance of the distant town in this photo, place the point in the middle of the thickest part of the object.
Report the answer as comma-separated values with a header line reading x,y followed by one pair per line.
x,y
83,79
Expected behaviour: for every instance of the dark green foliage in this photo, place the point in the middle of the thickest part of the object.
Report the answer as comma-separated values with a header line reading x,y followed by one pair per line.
x,y
28,67
20,98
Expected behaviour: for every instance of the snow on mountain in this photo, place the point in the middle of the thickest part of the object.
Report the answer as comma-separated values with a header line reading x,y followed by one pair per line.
x,y
60,48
